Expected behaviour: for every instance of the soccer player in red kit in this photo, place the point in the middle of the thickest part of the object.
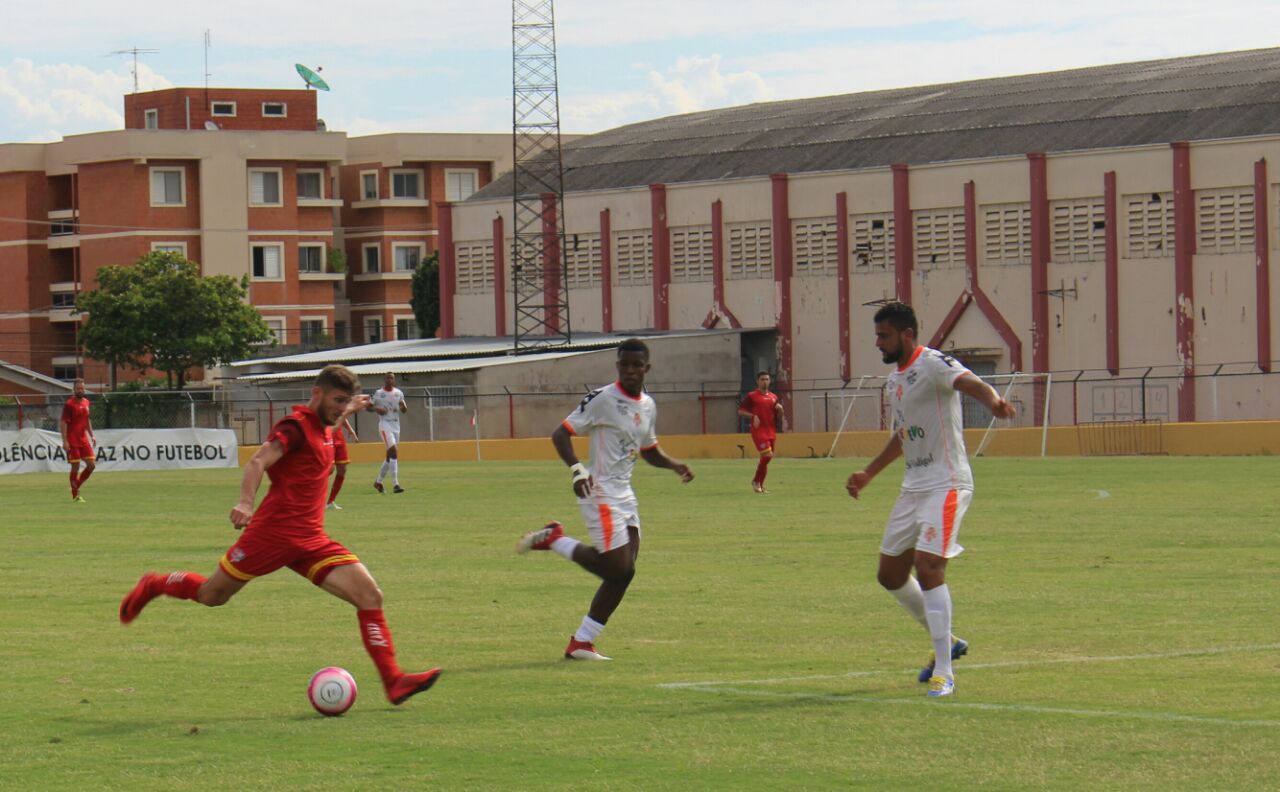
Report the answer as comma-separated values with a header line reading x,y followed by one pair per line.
x,y
77,438
288,530
765,412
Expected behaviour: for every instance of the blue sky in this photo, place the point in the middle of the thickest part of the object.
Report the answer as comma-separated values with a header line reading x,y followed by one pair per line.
x,y
430,65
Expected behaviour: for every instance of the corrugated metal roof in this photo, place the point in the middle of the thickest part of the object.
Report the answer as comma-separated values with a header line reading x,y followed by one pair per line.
x,y
36,376
413,367
1233,94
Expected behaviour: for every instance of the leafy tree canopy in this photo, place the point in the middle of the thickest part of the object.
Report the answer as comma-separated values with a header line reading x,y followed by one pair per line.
x,y
426,295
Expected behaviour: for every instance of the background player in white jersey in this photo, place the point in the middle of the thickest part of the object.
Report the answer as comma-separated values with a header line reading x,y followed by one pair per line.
x,y
924,394
388,403
620,418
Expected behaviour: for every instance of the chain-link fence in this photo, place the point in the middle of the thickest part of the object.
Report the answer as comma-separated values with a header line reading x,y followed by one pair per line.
x,y
455,412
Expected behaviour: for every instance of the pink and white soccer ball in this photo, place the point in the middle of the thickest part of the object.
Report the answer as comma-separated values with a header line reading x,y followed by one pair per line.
x,y
332,691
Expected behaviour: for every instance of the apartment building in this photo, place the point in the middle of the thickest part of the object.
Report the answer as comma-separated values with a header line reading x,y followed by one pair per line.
x,y
245,182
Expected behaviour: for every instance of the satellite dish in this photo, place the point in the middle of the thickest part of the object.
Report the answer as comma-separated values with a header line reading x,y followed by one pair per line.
x,y
211,126
312,79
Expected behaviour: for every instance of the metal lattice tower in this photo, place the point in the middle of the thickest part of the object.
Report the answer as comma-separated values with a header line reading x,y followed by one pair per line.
x,y
538,282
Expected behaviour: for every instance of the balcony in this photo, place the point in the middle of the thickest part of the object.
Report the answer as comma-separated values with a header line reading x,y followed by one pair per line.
x,y
305,202
391,203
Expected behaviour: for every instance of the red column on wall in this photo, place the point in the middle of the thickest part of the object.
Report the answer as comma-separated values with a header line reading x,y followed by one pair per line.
x,y
1184,248
782,282
448,280
661,257
842,284
606,273
904,252
1262,253
1112,263
551,263
499,279
1039,273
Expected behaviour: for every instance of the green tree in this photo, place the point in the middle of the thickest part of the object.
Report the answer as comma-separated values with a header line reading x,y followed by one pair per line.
x,y
426,295
160,313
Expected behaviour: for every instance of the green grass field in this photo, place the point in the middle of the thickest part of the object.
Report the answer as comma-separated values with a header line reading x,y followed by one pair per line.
x,y
1122,641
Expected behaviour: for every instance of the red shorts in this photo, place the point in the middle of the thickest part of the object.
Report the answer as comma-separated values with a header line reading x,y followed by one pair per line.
x,y
256,555
763,442
79,448
340,454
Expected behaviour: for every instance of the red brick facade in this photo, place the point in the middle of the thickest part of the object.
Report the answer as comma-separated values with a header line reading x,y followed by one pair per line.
x,y
190,108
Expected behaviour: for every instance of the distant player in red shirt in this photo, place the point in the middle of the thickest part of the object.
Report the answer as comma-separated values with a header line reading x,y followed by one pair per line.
x,y
288,530
765,412
341,458
77,438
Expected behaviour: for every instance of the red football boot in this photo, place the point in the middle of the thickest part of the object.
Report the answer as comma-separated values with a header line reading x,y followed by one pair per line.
x,y
148,588
540,539
582,650
409,685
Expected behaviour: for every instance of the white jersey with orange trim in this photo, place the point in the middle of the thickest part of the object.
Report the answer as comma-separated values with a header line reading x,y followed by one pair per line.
x,y
928,421
620,426
390,401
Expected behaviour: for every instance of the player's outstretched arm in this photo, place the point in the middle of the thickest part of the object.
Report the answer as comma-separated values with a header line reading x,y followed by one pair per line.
x,y
563,442
971,386
862,478
658,458
265,457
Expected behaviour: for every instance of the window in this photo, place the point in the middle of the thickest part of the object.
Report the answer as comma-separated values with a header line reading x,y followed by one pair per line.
x,y
310,184
750,250
1079,229
873,241
1150,225
311,258
1006,234
167,187
264,187
370,254
583,260
276,326
1224,221
312,331
65,373
266,261
151,119
406,329
275,109
939,238
405,258
473,267
633,257
62,227
169,247
691,254
460,184
369,185
813,244
406,184
372,329
222,109
64,299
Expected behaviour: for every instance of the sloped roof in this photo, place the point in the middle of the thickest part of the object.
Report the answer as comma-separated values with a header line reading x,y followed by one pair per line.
x,y
1225,95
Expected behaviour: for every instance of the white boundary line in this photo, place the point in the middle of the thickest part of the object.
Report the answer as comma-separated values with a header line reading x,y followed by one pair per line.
x,y
733,687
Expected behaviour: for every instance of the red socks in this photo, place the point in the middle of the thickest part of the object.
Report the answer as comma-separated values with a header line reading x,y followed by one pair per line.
x,y
83,478
74,476
377,642
762,469
337,485
183,585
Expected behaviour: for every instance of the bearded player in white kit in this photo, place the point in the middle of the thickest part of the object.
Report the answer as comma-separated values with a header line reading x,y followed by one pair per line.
x,y
620,418
388,403
924,396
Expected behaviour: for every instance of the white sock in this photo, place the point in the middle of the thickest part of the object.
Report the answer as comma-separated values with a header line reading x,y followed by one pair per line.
x,y
911,598
382,471
395,472
937,603
589,630
565,546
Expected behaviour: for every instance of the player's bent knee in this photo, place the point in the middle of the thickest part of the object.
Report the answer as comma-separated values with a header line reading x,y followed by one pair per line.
x,y
368,598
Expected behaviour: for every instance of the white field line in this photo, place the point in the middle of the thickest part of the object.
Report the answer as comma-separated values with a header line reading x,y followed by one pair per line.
x,y
731,687
1218,650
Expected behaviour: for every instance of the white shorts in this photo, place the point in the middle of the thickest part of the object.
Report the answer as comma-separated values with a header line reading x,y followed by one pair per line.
x,y
389,436
928,521
607,521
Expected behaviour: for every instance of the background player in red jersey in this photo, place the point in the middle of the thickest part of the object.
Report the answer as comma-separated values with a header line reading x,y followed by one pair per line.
x,y
77,438
341,458
288,530
765,412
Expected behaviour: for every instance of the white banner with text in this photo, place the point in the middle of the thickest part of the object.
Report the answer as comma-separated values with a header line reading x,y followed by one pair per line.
x,y
38,451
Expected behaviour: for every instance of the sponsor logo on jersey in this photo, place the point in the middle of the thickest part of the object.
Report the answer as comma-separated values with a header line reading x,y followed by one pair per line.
x,y
920,462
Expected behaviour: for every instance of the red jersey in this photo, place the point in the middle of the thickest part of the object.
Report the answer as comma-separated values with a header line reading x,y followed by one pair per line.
x,y
762,406
75,414
294,506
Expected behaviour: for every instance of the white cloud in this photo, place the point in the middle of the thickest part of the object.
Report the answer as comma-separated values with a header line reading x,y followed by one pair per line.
x,y
695,83
49,101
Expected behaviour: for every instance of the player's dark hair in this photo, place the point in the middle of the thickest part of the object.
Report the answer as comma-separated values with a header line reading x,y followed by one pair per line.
x,y
634,345
338,377
900,316
760,374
